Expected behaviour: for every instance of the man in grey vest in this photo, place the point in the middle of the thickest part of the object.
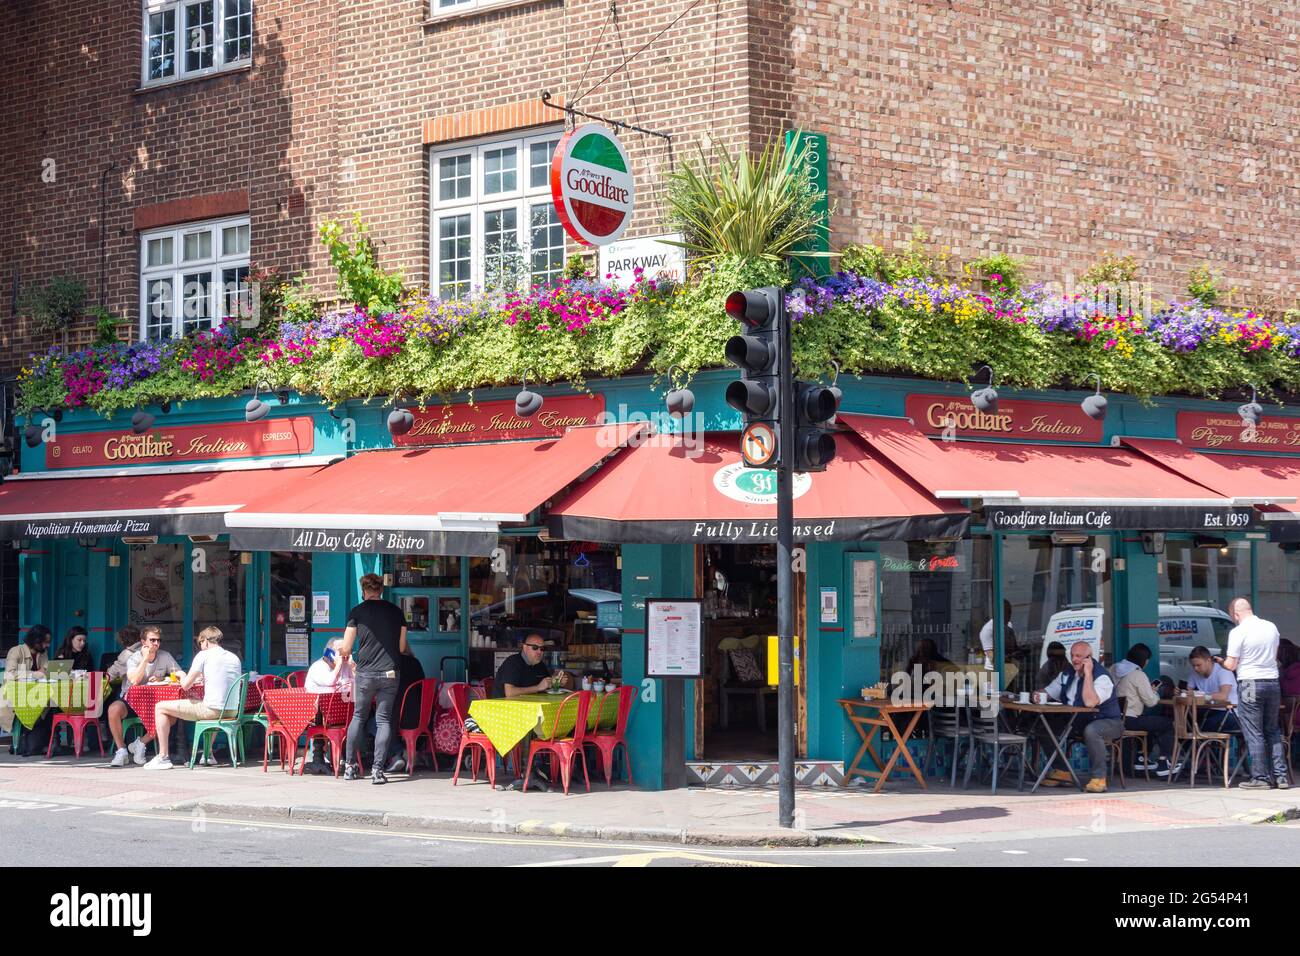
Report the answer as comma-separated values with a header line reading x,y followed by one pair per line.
x,y
1086,683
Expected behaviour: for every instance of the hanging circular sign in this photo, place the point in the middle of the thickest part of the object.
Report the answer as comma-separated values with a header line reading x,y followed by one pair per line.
x,y
755,486
592,185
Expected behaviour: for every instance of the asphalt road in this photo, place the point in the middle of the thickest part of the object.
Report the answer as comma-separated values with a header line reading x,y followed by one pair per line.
x,y
63,835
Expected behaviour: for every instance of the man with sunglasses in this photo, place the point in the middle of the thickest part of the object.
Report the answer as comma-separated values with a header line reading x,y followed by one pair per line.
x,y
148,662
525,673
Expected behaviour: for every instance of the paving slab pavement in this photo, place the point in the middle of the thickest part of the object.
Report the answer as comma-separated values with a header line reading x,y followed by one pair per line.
x,y
903,814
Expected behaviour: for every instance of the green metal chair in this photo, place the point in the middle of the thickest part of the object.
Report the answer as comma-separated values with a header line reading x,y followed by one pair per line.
x,y
130,724
230,726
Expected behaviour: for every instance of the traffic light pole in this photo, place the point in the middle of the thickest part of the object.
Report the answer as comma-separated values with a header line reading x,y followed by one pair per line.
x,y
785,582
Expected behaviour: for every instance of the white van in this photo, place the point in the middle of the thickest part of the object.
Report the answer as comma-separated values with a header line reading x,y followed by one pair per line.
x,y
1181,627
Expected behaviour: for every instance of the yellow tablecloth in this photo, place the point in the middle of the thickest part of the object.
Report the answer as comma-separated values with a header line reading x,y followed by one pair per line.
x,y
507,722
29,698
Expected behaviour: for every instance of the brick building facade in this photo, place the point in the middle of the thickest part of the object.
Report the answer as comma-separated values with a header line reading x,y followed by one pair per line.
x,y
1050,129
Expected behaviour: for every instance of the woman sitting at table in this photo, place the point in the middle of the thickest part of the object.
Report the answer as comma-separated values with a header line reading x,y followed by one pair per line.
x,y
75,649
926,656
29,659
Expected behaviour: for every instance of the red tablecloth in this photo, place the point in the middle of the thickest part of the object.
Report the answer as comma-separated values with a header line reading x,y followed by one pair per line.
x,y
143,697
293,708
254,699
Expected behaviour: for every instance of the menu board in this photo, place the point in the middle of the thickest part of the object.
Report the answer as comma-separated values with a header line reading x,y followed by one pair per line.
x,y
297,647
674,638
864,599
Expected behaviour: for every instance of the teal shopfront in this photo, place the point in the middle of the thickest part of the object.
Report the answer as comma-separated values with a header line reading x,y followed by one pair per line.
x,y
948,525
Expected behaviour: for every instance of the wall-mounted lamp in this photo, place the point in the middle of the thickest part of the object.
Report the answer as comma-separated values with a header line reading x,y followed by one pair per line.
x,y
680,401
141,421
527,404
1252,411
400,420
256,409
1153,542
985,399
1094,406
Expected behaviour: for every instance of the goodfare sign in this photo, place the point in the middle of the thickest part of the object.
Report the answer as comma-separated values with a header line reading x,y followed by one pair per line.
x,y
592,185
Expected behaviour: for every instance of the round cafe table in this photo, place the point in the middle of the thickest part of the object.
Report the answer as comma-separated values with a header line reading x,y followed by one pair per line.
x,y
143,697
30,698
507,721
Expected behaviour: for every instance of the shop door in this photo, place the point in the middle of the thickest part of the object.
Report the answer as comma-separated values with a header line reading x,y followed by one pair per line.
x,y
286,644
435,628
738,586
70,595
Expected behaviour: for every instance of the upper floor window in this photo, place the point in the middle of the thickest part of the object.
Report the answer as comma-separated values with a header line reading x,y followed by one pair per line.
x,y
193,277
184,38
494,224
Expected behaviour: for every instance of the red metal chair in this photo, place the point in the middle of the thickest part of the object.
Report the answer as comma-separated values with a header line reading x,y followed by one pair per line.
x,y
488,683
460,693
296,678
606,743
565,749
78,723
336,714
428,690
276,730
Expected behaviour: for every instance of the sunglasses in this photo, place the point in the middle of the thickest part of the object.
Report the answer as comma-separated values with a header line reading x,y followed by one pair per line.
x,y
536,647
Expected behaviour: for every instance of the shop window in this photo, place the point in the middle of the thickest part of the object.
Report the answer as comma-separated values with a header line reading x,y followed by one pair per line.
x,y
936,598
1059,590
218,595
569,592
1277,583
494,225
188,38
423,571
157,574
290,606
193,277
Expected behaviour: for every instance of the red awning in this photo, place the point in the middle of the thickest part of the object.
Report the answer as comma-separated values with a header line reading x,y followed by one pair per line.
x,y
1034,487
1246,479
446,499
674,490
145,504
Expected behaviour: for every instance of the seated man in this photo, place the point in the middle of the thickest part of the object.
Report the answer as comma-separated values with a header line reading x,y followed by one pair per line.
x,y
1087,684
1138,693
149,662
331,673
219,669
524,673
1220,684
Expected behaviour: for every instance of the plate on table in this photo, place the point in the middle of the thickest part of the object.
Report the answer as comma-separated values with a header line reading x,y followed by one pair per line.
x,y
553,691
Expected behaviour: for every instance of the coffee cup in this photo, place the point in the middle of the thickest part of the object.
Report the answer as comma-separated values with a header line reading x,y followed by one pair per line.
x,y
1024,697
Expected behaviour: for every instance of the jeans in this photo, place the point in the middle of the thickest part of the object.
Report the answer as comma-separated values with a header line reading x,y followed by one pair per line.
x,y
1261,702
1221,721
1161,728
383,691
1096,736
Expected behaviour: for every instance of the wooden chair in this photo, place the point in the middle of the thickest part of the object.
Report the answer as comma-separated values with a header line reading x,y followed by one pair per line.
x,y
1117,749
1188,732
758,693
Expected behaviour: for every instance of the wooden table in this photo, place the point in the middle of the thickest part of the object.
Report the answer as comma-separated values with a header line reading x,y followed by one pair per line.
x,y
882,718
1042,711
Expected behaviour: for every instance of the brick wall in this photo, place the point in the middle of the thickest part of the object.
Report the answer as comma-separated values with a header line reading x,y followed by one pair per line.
x,y
1054,129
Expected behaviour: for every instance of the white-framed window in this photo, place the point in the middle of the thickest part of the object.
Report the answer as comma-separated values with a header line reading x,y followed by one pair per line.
x,y
442,8
193,276
186,38
493,222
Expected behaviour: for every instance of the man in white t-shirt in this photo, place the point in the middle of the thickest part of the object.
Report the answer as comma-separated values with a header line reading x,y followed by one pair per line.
x,y
1220,685
1252,656
219,669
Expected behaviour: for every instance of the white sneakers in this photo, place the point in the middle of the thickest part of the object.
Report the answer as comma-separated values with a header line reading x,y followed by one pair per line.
x,y
120,758
138,750
159,763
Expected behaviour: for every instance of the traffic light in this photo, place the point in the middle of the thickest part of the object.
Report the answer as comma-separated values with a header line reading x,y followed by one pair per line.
x,y
757,352
814,409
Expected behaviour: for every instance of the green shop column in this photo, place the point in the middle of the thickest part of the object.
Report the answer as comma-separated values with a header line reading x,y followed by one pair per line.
x,y
654,571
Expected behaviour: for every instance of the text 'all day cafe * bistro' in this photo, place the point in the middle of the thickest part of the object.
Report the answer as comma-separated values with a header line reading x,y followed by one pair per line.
x,y
1000,529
